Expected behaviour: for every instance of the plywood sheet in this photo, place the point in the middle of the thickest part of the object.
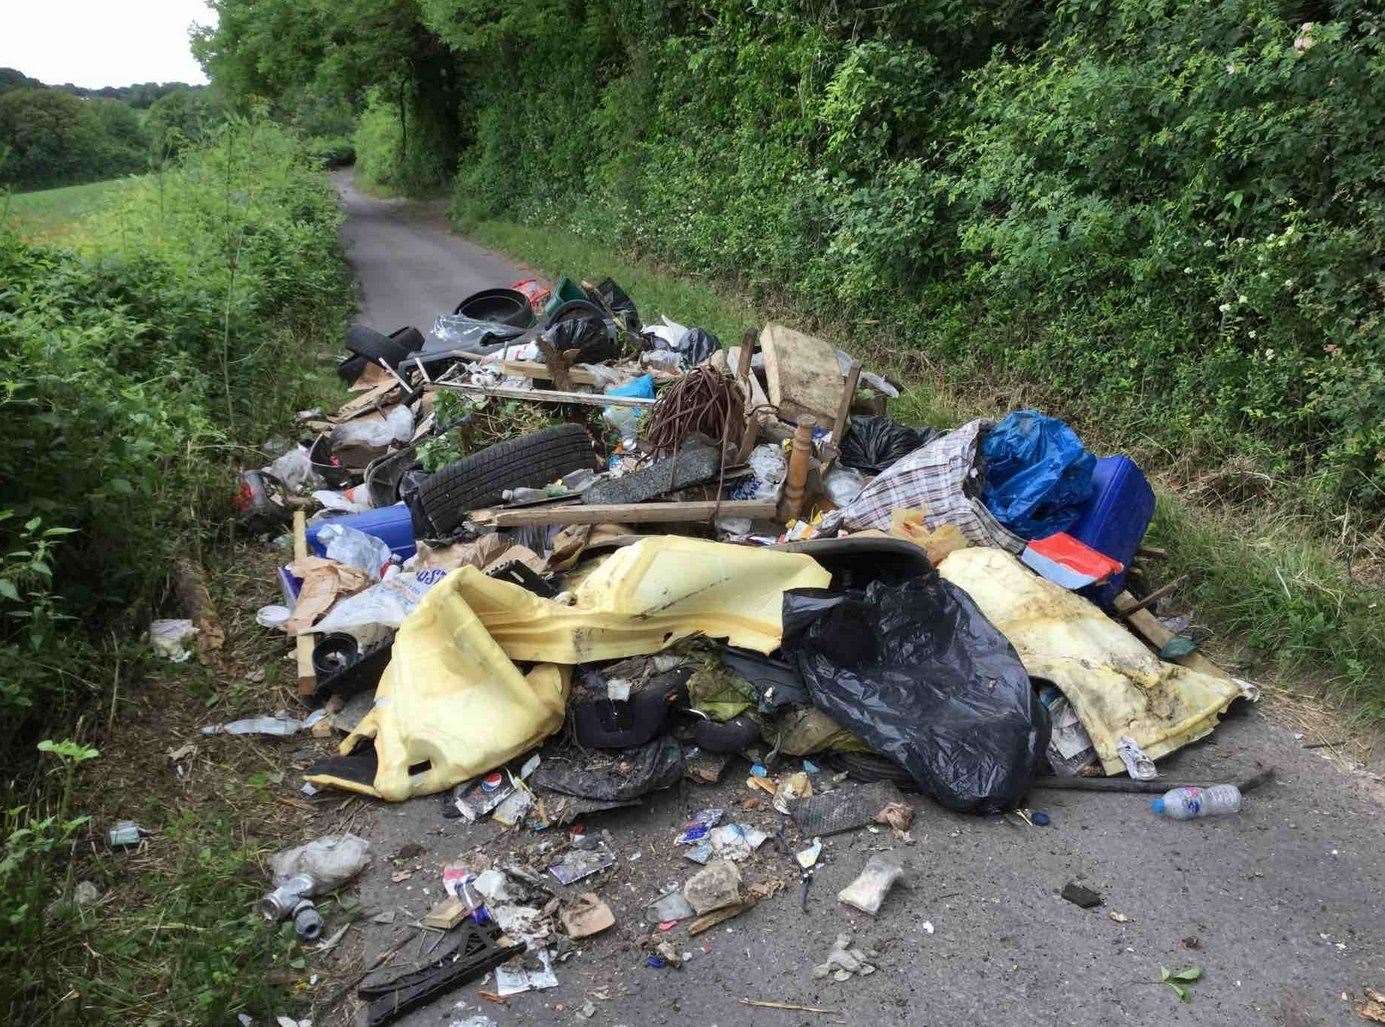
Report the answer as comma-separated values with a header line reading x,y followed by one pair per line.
x,y
802,375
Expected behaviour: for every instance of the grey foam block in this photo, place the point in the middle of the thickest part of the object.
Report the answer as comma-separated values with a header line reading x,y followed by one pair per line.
x,y
693,465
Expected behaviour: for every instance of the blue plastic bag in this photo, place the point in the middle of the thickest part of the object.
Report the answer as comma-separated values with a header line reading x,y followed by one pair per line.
x,y
626,419
1038,474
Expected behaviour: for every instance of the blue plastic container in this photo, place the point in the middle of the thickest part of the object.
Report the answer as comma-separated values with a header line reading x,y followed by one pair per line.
x,y
390,524
1114,520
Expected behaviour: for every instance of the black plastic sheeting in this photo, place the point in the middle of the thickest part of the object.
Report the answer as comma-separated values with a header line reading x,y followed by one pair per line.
x,y
775,679
695,346
618,302
657,764
871,444
919,673
590,336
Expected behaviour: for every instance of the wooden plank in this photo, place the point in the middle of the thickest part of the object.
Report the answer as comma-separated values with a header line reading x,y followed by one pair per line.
x,y
303,644
627,513
833,449
382,395
533,369
1147,626
1159,593
556,362
802,374
770,424
547,396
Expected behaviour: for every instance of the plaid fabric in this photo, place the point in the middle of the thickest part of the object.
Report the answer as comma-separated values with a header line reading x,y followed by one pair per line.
x,y
943,479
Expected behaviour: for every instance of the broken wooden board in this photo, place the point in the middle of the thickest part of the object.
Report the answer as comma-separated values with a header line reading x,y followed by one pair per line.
x,y
755,400
627,513
375,398
590,399
533,369
802,374
1147,626
833,449
303,644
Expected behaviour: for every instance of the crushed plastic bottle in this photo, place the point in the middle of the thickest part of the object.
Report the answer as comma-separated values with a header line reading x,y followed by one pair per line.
x,y
1191,802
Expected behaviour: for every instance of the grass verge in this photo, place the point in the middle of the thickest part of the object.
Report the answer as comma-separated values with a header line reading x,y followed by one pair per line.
x,y
169,933
1291,602
59,215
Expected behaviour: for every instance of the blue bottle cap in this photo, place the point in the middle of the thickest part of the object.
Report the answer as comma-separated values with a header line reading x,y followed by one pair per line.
x,y
1157,804
1040,818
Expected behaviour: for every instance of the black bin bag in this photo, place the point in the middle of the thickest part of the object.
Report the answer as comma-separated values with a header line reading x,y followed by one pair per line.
x,y
919,673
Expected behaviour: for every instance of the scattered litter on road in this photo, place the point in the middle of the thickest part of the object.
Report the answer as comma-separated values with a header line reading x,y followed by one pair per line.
x,y
578,863
868,891
552,560
671,908
586,916
517,980
715,886
845,961
1188,803
791,1006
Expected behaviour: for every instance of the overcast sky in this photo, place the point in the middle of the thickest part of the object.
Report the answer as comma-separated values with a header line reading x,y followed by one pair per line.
x,y
101,42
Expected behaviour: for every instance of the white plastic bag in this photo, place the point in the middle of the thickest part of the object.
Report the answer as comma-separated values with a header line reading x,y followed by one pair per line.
x,y
355,548
376,430
170,637
272,616
330,861
352,500
293,469
843,484
384,605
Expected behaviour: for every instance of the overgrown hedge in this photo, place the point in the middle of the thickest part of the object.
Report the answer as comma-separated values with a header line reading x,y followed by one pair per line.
x,y
130,374
1164,218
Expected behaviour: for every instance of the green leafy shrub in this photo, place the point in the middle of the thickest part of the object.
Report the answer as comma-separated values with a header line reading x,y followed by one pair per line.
x,y
395,149
1164,220
131,375
49,137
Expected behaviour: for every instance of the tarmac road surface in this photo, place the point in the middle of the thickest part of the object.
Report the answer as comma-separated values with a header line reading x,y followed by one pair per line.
x,y
1282,907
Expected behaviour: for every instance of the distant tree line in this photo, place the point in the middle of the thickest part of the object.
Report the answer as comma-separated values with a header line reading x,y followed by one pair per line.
x,y
140,95
61,135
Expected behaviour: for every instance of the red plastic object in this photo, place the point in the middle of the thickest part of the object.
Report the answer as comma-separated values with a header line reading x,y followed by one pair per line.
x,y
1064,560
534,291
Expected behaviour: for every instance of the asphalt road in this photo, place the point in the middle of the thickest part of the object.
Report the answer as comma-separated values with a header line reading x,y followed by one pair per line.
x,y
408,263
1281,907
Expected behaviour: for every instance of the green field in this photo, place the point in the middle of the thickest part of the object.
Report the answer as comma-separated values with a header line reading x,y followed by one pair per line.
x,y
52,215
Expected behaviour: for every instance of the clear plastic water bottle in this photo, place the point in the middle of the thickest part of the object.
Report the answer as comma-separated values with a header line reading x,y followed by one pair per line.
x,y
1188,803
